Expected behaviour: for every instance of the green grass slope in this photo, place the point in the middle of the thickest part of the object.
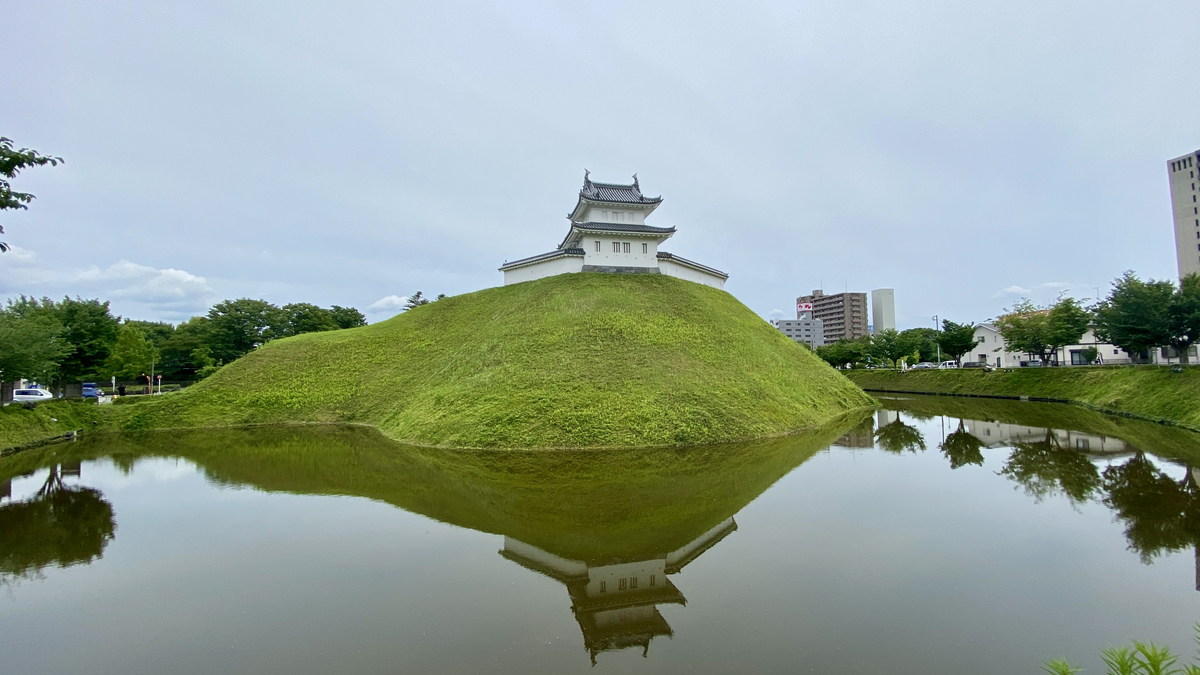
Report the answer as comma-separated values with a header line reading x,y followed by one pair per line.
x,y
1149,391
573,361
632,503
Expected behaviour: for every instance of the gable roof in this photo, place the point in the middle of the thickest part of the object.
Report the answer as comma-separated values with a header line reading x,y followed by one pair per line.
x,y
611,193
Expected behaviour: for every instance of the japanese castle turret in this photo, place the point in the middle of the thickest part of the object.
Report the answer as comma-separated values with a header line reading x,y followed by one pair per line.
x,y
609,234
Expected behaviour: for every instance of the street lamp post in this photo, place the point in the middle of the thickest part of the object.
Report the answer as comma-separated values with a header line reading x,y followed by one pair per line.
x,y
937,340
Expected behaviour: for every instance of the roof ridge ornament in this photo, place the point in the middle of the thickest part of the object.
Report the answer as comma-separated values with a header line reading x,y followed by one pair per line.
x,y
637,188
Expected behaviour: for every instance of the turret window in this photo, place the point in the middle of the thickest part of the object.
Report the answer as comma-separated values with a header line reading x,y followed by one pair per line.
x,y
597,247
626,246
616,247
645,248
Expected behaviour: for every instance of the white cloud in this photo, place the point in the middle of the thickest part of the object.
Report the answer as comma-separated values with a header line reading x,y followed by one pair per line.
x,y
20,255
777,313
162,293
1012,290
387,306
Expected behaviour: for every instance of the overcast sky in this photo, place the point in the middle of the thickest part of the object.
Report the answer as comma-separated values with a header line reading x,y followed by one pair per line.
x,y
964,154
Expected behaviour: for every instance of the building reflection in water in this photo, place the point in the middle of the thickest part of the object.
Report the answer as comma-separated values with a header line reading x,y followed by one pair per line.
x,y
616,604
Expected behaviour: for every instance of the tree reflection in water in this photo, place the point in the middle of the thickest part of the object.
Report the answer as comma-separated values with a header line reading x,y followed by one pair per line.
x,y
961,448
897,437
1161,515
1045,468
59,526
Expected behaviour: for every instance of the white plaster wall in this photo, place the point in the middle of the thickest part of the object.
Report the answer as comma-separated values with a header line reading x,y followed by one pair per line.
x,y
554,562
548,268
635,257
673,269
610,215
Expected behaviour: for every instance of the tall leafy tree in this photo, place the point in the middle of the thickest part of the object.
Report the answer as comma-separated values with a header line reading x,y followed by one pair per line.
x,y
845,352
31,346
415,300
179,361
1136,315
1045,468
347,317
897,437
302,317
1161,515
11,163
957,339
890,346
1042,331
1184,315
924,341
239,326
133,355
961,448
90,329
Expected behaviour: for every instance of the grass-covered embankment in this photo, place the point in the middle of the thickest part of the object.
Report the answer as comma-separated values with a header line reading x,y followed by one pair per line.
x,y
582,505
20,425
1150,392
573,361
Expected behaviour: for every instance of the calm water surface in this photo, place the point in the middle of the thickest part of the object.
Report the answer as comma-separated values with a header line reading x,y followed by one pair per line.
x,y
936,536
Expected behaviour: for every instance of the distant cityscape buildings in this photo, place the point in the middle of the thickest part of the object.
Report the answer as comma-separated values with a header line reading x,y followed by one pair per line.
x,y
843,315
883,310
1182,173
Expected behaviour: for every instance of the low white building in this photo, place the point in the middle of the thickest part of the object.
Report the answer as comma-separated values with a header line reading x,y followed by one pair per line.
x,y
991,349
609,234
804,329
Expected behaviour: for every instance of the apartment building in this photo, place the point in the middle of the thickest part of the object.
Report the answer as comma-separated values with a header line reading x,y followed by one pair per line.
x,y
843,315
1182,173
804,329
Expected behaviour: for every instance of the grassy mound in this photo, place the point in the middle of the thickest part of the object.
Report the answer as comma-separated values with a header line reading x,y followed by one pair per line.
x,y
1149,391
595,506
577,360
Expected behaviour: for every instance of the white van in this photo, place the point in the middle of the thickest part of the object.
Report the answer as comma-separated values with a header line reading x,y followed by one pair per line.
x,y
946,365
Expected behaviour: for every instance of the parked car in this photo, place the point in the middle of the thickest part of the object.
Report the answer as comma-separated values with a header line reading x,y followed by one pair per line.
x,y
925,365
947,365
977,364
31,395
1032,363
90,390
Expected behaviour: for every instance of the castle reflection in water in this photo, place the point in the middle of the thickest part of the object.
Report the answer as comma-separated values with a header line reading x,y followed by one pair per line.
x,y
616,604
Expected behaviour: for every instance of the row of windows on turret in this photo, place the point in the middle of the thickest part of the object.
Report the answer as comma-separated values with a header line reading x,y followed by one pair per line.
x,y
626,584
623,247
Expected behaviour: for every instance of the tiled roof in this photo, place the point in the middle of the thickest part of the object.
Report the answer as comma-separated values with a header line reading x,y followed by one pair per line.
x,y
663,255
623,227
542,257
613,192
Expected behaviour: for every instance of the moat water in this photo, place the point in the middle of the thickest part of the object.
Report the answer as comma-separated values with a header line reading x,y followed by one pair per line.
x,y
932,536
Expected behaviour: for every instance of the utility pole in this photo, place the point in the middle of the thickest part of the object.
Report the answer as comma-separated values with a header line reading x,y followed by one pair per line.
x,y
938,328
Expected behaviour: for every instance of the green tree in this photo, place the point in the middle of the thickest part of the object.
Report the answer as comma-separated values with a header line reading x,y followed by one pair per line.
x,y
1160,514
30,346
11,163
1136,315
1090,354
88,328
1045,468
961,448
179,350
1184,315
59,526
1042,331
415,300
957,339
924,341
302,317
347,317
897,437
133,355
845,352
204,363
239,326
890,346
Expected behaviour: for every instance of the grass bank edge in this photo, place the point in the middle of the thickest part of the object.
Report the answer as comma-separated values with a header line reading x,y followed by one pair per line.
x,y
1152,393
